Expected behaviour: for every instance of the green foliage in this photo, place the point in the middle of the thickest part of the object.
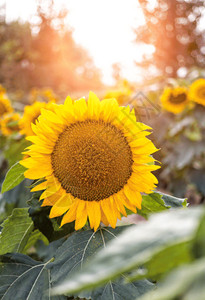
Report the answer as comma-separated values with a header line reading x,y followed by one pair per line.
x,y
16,231
135,247
24,278
13,150
156,202
14,198
186,282
79,249
34,237
14,176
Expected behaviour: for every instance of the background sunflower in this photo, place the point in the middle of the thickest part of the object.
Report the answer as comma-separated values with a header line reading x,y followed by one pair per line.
x,y
197,91
31,113
9,123
175,99
5,105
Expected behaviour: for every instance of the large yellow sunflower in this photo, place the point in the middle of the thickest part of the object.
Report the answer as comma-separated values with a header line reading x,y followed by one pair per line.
x,y
5,105
197,91
9,123
31,113
95,160
175,99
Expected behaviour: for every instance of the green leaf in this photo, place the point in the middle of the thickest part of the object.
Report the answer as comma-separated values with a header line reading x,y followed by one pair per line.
x,y
35,236
16,231
14,176
152,203
173,201
157,202
164,261
135,247
24,278
79,249
14,150
186,282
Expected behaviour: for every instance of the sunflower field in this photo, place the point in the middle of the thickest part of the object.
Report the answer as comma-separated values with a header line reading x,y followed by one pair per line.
x,y
102,186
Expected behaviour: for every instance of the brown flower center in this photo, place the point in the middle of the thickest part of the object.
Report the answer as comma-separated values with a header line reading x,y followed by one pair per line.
x,y
178,99
92,160
3,109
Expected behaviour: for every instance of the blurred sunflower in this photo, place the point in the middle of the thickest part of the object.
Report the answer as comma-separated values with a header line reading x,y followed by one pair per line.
x,y
2,90
122,93
175,99
9,123
95,159
42,95
197,91
31,113
5,105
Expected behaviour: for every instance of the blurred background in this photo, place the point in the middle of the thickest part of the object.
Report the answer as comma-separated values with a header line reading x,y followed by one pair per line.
x,y
74,46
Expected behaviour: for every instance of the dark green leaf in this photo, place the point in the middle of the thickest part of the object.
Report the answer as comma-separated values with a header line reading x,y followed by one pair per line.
x,y
24,278
135,247
80,248
14,150
14,176
34,237
16,231
173,201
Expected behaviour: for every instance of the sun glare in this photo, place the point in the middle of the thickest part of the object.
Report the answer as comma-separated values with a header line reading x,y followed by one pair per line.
x,y
105,28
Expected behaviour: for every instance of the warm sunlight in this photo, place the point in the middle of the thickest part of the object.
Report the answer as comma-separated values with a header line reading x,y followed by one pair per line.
x,y
105,28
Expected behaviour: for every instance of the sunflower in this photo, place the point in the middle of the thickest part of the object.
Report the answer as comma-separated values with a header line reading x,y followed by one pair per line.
x,y
94,159
197,91
122,93
2,90
175,99
31,113
9,123
5,105
42,95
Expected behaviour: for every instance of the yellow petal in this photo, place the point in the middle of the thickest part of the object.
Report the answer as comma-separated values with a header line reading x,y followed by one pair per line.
x,y
61,206
70,216
93,106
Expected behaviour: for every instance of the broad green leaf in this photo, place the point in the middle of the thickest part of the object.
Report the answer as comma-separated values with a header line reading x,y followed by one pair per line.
x,y
186,282
135,247
157,202
15,198
15,147
152,203
164,261
24,278
16,231
79,249
46,252
198,249
35,236
173,201
14,176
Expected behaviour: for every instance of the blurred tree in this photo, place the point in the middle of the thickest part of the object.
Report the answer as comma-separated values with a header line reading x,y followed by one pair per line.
x,y
172,27
44,55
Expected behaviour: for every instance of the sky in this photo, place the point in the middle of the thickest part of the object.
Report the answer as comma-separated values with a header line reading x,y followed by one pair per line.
x,y
105,28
